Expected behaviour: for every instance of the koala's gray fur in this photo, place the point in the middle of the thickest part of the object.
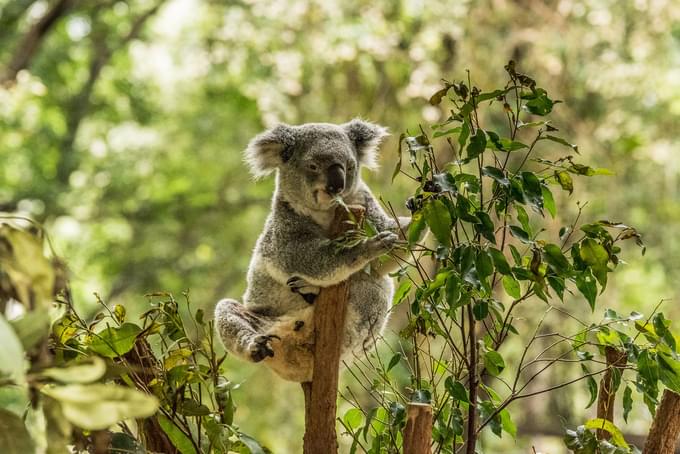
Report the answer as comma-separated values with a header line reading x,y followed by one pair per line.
x,y
294,256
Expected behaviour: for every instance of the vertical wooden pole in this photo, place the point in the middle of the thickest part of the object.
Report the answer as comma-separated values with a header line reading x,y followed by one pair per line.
x,y
321,393
418,430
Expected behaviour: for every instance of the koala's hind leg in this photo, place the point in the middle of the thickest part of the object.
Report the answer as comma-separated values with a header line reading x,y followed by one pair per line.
x,y
243,332
282,343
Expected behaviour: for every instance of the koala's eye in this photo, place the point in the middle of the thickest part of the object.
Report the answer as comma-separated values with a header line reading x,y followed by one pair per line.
x,y
312,167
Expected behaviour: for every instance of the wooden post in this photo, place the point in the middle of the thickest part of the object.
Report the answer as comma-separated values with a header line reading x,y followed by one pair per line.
x,y
418,430
321,393
606,396
663,435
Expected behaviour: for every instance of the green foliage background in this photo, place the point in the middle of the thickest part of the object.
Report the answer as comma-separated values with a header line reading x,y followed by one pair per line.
x,y
128,145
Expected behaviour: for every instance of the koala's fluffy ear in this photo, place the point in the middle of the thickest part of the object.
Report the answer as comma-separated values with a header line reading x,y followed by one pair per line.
x,y
270,149
366,137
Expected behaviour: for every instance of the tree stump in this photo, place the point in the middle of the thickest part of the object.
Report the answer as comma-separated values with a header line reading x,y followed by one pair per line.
x,y
418,430
321,393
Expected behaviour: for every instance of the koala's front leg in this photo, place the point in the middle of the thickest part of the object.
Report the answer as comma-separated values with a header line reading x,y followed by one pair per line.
x,y
321,263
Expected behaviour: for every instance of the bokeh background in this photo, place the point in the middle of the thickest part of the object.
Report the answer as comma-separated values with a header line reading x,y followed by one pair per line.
x,y
122,125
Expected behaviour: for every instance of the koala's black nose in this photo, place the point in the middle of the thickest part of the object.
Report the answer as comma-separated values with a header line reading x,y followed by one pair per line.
x,y
335,179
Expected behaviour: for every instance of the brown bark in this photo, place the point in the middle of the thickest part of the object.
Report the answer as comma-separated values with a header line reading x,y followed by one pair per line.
x,y
320,394
605,400
418,430
142,359
663,435
33,38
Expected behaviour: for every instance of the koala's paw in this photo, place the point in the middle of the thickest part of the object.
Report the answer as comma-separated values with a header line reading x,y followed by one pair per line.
x,y
307,291
260,347
383,242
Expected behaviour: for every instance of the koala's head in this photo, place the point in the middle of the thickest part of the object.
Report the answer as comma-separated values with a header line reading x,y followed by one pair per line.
x,y
315,161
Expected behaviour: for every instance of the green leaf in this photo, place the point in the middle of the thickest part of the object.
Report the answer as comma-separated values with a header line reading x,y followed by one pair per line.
x,y
564,179
507,423
500,261
532,189
548,201
490,95
448,132
523,218
496,174
555,258
453,287
456,389
511,286
477,144
99,406
592,389
190,407
84,372
397,167
520,234
464,133
178,438
493,362
416,227
402,292
503,144
627,402
438,219
394,361
113,342
353,418
484,264
480,310
538,102
608,426
31,327
593,253
252,444
12,362
14,438
585,283
560,141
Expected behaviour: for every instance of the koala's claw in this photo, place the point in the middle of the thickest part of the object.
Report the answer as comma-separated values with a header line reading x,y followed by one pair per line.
x,y
296,282
385,241
260,347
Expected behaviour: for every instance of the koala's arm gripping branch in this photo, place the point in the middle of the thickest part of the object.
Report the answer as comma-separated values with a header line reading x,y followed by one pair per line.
x,y
321,393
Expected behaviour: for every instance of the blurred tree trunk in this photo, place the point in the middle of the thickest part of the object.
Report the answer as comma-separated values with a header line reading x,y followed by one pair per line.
x,y
80,104
32,40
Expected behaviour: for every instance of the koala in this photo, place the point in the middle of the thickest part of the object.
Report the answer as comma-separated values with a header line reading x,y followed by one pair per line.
x,y
295,257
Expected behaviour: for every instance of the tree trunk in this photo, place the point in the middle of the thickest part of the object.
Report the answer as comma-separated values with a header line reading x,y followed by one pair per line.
x,y
418,430
33,38
665,429
321,393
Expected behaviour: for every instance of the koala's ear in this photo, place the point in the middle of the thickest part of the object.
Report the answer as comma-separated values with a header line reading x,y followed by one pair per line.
x,y
366,137
270,149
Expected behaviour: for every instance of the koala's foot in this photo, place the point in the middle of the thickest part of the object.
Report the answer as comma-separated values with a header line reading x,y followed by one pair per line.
x,y
260,347
307,291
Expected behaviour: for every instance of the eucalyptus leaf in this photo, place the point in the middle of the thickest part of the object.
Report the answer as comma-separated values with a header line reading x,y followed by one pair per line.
x,y
99,406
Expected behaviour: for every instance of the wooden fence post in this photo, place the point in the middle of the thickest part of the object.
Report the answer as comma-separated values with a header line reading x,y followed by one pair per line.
x,y
418,430
321,393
